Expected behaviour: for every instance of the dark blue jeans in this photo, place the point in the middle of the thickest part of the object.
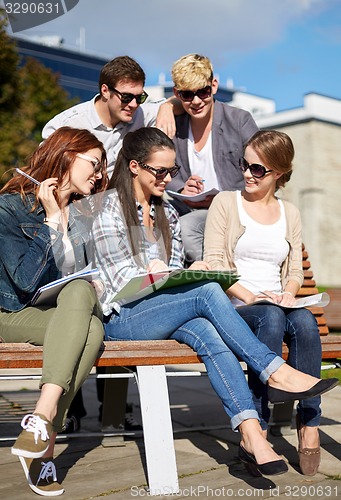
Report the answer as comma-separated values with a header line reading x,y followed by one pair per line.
x,y
202,317
298,329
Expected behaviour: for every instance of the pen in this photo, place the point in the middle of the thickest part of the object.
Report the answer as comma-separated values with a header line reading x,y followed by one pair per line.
x,y
28,176
264,293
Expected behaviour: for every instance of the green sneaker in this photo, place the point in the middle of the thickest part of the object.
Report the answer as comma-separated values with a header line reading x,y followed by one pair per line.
x,y
41,476
34,440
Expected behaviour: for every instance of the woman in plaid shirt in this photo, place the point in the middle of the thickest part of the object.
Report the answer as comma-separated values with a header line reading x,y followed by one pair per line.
x,y
138,232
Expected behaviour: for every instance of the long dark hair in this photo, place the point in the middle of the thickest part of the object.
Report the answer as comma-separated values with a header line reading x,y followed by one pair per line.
x,y
54,158
140,145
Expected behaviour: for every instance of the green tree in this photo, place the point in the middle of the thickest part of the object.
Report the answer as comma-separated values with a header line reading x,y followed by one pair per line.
x,y
9,96
29,96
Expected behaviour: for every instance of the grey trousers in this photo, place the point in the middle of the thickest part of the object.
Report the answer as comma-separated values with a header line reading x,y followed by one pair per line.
x,y
71,334
192,234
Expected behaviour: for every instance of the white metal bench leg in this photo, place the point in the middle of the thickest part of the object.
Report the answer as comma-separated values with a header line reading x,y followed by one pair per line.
x,y
157,430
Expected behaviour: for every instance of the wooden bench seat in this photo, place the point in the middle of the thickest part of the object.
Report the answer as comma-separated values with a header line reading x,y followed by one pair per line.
x,y
137,353
150,359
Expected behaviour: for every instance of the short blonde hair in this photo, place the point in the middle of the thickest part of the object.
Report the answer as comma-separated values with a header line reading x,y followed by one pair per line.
x,y
192,72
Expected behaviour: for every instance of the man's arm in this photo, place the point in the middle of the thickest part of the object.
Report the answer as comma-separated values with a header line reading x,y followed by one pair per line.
x,y
165,118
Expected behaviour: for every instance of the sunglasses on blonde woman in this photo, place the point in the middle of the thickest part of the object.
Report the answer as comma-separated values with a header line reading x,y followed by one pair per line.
x,y
256,170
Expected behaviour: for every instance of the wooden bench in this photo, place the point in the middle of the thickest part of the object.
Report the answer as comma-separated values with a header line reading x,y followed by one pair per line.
x,y
333,309
150,359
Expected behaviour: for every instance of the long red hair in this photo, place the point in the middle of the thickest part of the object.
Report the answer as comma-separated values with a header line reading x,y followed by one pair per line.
x,y
54,158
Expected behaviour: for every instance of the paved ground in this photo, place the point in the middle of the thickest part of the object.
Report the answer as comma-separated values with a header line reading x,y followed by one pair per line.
x,y
208,467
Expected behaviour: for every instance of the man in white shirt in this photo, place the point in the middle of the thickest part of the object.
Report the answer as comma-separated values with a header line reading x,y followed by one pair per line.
x,y
119,108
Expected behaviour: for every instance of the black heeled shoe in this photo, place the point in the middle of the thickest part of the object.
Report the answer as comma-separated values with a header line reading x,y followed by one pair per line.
x,y
279,396
267,469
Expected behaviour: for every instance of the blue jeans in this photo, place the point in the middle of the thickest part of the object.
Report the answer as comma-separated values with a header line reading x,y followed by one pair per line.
x,y
298,329
202,317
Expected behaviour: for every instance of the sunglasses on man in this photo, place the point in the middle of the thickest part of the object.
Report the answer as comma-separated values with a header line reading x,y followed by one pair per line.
x,y
126,97
188,95
162,172
256,170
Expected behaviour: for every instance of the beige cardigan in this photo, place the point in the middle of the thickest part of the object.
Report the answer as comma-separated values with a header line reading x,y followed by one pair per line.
x,y
223,230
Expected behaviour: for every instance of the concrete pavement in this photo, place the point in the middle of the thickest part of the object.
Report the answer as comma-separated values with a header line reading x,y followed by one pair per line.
x,y
206,451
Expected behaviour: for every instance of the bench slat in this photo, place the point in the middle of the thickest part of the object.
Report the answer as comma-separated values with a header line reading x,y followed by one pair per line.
x,y
136,353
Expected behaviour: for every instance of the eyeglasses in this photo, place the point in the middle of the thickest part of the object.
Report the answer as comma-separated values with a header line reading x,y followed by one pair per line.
x,y
162,172
188,95
126,97
256,170
97,165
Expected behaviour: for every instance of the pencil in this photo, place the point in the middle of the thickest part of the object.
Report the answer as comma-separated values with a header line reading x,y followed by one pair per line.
x,y
27,176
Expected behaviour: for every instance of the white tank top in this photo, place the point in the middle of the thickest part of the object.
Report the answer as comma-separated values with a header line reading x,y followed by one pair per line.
x,y
260,252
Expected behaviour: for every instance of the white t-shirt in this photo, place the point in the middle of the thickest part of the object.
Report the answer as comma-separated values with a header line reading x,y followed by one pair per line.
x,y
201,162
68,266
260,252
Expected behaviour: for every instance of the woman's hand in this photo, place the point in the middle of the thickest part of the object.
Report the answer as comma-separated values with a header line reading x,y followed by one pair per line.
x,y
287,299
270,296
156,265
47,198
98,285
200,265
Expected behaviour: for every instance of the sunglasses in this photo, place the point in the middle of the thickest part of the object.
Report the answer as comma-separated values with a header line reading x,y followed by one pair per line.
x,y
162,172
126,97
188,95
256,170
97,165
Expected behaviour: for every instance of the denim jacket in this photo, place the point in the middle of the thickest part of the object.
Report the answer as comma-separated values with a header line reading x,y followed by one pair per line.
x,y
31,252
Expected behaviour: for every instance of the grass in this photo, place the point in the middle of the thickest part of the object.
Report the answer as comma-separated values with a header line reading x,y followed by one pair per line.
x,y
332,373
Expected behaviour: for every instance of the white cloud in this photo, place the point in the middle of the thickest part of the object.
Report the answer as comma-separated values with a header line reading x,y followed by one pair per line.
x,y
159,31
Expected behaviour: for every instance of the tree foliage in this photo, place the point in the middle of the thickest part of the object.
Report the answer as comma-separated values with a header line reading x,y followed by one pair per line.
x,y
30,95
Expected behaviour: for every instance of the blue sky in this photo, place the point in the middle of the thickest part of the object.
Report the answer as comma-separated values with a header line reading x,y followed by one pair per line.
x,y
276,49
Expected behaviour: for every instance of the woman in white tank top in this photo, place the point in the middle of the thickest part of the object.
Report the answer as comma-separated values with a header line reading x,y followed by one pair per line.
x,y
259,235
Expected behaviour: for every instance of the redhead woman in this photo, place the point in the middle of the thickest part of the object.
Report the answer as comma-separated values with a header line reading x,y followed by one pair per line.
x,y
43,237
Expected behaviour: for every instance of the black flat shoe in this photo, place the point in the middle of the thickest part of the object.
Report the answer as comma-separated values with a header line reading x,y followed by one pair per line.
x,y
267,469
72,424
279,396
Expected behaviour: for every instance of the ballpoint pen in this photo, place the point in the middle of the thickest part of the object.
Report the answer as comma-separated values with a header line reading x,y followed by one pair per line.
x,y
21,172
264,293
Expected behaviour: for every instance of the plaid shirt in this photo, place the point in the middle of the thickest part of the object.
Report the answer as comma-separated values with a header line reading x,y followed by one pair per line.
x,y
114,256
